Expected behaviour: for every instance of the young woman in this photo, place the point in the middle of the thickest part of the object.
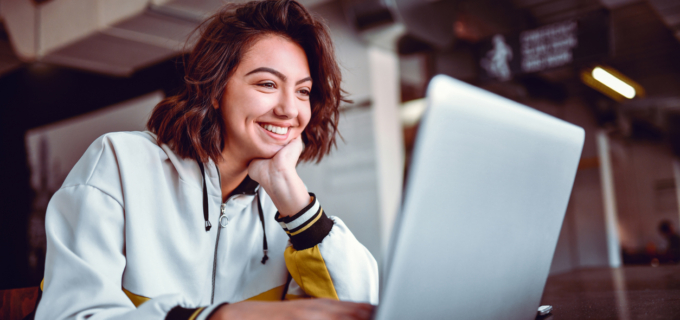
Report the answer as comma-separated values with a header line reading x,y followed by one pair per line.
x,y
205,217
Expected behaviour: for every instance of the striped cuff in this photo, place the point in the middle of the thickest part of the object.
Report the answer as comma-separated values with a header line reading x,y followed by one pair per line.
x,y
308,227
208,311
180,313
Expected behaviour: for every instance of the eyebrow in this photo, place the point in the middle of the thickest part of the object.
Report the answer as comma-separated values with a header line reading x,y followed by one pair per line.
x,y
278,74
303,80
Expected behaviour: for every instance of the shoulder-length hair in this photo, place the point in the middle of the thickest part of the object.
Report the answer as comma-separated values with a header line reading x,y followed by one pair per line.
x,y
189,124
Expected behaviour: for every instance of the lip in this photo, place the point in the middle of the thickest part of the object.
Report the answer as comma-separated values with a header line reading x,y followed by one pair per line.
x,y
278,137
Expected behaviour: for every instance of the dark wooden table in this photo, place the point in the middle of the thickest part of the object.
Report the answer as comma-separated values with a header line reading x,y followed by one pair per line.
x,y
627,293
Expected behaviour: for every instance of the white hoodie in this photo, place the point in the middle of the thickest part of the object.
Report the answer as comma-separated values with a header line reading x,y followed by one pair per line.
x,y
126,239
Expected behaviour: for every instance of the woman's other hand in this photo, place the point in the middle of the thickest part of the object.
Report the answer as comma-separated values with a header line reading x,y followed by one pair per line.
x,y
317,309
280,179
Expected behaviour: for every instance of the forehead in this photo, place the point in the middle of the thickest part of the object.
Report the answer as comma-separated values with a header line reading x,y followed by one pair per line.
x,y
275,52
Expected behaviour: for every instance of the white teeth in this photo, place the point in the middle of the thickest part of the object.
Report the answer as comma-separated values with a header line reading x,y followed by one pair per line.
x,y
275,129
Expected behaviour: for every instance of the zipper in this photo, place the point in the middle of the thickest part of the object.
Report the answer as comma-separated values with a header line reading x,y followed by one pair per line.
x,y
223,209
223,221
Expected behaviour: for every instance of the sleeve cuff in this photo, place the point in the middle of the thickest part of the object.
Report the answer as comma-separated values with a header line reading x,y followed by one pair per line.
x,y
207,312
308,227
180,313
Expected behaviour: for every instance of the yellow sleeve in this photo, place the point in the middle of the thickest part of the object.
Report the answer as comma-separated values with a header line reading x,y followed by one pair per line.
x,y
326,260
309,271
305,263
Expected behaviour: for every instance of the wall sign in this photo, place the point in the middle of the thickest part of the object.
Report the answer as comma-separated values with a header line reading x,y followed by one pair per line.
x,y
505,56
548,47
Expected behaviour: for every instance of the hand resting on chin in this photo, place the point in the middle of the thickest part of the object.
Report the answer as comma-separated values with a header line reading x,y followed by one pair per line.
x,y
280,179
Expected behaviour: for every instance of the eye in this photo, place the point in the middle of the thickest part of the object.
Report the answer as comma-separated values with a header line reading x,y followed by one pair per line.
x,y
304,92
268,85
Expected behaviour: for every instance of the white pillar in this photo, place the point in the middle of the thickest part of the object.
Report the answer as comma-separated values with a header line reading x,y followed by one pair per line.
x,y
622,308
389,141
609,200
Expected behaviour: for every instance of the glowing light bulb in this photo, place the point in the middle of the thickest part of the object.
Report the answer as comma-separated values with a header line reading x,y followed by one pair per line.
x,y
613,82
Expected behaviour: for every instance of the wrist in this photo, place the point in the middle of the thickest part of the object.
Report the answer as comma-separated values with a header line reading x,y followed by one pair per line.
x,y
221,312
308,227
288,192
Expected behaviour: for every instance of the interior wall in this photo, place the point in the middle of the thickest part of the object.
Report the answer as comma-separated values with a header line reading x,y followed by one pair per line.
x,y
361,182
67,140
350,51
645,187
588,220
346,181
389,139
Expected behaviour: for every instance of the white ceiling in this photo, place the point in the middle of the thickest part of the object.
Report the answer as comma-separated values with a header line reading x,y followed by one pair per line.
x,y
114,37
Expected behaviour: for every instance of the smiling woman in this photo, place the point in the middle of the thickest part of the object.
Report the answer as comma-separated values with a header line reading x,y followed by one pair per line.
x,y
264,108
224,39
130,233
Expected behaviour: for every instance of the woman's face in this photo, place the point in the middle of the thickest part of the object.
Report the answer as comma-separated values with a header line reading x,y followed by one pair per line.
x,y
266,101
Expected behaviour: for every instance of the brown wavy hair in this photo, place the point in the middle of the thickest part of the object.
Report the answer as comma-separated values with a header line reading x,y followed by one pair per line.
x,y
189,124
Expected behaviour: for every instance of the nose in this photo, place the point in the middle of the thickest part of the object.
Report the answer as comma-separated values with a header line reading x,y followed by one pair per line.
x,y
287,106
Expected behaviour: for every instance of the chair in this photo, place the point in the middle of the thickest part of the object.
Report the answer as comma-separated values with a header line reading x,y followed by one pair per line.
x,y
18,304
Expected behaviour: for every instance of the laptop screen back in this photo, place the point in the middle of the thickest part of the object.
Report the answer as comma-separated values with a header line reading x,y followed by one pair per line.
x,y
486,195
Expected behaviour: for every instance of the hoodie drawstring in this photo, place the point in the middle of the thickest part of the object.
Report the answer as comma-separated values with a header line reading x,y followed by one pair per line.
x,y
264,231
205,199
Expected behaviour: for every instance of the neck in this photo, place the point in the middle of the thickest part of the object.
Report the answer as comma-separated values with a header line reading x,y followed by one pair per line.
x,y
232,172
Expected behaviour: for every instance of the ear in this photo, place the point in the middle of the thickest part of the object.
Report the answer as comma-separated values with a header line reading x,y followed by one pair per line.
x,y
215,104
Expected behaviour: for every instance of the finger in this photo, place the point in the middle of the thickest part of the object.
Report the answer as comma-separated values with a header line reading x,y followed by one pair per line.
x,y
360,314
300,144
292,150
334,314
356,313
350,304
295,146
361,310
344,309
255,169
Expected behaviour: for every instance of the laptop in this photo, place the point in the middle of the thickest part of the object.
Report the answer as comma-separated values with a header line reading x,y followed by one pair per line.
x,y
485,199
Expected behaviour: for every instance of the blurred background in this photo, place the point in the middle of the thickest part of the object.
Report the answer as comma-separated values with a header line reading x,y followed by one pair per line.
x,y
71,70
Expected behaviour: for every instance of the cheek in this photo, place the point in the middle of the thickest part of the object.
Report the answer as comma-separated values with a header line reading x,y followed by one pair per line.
x,y
230,118
305,116
242,110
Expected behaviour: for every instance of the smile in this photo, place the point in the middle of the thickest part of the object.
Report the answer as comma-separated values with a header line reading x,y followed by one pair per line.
x,y
274,129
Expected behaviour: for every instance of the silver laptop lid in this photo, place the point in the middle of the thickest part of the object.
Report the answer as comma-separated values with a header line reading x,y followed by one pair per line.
x,y
487,192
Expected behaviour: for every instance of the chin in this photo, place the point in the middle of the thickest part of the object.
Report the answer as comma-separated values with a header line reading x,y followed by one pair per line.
x,y
269,151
